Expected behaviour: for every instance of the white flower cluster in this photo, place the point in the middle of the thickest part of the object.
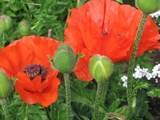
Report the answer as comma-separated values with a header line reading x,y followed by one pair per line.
x,y
143,73
124,79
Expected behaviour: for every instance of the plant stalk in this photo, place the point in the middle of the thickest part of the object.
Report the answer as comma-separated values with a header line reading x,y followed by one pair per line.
x,y
100,99
131,92
68,96
26,112
78,2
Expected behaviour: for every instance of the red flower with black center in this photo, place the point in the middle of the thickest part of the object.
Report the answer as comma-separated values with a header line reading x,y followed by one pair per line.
x,y
107,28
27,59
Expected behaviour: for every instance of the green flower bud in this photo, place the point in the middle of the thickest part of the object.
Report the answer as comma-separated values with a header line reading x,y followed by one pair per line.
x,y
23,28
5,23
5,85
159,4
147,6
64,59
100,67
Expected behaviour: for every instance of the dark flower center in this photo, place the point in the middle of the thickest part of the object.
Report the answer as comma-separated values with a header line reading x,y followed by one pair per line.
x,y
34,70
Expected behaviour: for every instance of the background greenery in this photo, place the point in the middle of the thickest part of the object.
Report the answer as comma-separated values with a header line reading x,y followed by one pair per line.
x,y
49,16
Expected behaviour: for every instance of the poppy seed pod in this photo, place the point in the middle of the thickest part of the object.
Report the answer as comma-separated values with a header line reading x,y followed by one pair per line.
x,y
100,67
23,28
64,59
147,6
5,23
5,85
159,4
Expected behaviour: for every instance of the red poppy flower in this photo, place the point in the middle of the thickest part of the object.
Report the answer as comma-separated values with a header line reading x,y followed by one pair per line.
x,y
27,59
105,27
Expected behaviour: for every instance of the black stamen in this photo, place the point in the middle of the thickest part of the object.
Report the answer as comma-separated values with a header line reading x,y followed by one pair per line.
x,y
34,70
43,74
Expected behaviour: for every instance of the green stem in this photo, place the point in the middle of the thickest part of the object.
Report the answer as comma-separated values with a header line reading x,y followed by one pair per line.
x,y
52,112
26,113
2,40
68,96
131,92
100,99
78,3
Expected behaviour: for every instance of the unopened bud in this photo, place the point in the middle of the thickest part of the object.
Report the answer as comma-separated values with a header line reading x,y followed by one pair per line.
x,y
159,4
23,28
5,23
100,67
64,59
5,85
148,6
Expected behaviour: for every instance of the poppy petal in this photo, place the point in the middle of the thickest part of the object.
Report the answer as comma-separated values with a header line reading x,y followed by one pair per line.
x,y
36,91
81,70
23,53
42,47
49,95
13,58
108,28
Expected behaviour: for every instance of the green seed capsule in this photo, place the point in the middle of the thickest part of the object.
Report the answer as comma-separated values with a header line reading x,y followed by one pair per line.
x,y
5,85
5,23
147,6
64,59
100,67
158,4
23,28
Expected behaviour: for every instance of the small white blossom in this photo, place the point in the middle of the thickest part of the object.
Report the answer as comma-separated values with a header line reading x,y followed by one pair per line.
x,y
156,71
124,80
124,84
143,73
140,72
149,76
156,80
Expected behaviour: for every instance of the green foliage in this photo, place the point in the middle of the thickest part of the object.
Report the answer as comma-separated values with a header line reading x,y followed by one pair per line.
x,y
48,18
154,92
43,16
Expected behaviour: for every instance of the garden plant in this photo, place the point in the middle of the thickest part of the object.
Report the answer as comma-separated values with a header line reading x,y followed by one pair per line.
x,y
79,59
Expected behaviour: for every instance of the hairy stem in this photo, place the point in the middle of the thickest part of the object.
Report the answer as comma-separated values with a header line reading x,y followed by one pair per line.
x,y
100,99
68,96
78,3
26,112
131,92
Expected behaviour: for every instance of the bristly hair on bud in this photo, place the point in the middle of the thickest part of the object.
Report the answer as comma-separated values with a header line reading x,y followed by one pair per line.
x,y
100,67
148,6
5,85
64,59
